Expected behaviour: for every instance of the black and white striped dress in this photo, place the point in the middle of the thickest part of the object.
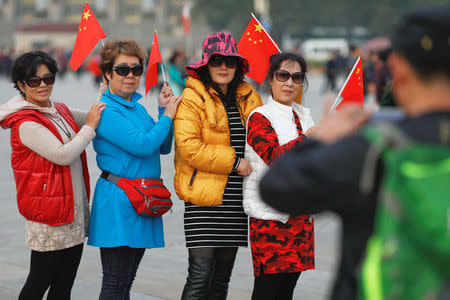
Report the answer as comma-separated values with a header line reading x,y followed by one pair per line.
x,y
222,225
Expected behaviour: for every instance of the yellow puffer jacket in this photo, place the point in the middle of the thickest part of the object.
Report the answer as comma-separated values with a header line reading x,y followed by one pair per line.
x,y
203,155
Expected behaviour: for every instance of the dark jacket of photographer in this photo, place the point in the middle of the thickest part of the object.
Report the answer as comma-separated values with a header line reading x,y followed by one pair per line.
x,y
328,179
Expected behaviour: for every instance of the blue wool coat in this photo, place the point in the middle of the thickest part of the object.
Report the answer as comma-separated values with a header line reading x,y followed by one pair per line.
x,y
128,144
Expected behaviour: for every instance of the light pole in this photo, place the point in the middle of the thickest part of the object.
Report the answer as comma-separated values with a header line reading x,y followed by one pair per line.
x,y
262,9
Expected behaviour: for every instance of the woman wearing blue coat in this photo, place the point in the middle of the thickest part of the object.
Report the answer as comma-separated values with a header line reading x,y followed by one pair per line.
x,y
128,144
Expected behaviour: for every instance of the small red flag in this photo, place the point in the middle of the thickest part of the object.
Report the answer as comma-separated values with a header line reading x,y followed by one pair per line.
x,y
186,17
89,33
151,78
352,91
257,46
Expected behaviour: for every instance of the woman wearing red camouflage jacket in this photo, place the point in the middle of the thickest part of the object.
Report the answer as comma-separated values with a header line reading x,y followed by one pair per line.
x,y
282,245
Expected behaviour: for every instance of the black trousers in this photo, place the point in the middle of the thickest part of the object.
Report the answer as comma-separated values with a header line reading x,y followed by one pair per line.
x,y
119,265
275,286
209,273
54,269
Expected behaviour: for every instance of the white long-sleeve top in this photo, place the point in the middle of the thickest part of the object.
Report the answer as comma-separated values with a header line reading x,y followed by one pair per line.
x,y
39,236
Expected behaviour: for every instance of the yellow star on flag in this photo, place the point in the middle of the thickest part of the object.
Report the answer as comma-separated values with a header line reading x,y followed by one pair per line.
x,y
258,28
86,15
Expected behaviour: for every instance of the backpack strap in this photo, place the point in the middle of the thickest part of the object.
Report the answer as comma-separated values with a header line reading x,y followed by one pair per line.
x,y
387,135
444,132
382,136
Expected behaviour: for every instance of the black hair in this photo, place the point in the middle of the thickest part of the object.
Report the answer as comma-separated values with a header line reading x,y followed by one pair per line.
x,y
384,54
423,39
277,59
26,65
353,47
174,56
230,97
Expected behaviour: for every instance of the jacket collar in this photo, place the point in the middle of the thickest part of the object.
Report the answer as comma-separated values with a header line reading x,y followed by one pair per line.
x,y
18,103
280,108
134,98
210,98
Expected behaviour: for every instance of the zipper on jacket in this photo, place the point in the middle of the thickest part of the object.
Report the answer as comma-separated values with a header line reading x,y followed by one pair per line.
x,y
45,187
239,107
192,178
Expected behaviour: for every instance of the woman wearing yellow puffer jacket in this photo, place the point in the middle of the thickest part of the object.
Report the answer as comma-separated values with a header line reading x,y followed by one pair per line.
x,y
209,150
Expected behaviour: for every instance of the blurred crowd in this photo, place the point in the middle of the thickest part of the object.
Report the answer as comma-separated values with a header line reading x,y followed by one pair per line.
x,y
376,76
376,73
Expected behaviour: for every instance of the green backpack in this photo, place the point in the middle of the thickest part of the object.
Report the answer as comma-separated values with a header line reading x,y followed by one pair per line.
x,y
408,256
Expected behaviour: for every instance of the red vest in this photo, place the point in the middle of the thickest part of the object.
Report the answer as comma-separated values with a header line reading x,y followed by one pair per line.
x,y
44,189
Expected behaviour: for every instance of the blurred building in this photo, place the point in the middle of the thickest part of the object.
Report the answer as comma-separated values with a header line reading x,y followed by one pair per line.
x,y
26,24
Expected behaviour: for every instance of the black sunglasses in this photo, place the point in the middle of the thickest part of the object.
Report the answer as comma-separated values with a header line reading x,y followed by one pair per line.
x,y
283,76
217,60
35,81
124,70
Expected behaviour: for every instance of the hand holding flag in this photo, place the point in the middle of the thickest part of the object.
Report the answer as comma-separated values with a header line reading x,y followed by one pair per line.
x,y
257,46
89,33
352,91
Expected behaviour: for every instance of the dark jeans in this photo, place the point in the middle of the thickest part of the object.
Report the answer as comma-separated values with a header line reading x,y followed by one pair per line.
x,y
119,270
54,269
275,286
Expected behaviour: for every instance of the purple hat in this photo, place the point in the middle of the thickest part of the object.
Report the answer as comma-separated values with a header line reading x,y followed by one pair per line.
x,y
217,43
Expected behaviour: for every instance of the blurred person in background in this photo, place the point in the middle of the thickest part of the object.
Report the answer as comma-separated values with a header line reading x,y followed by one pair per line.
x,y
331,72
354,53
6,61
176,77
282,244
93,67
61,59
369,82
352,170
382,74
210,165
52,179
128,145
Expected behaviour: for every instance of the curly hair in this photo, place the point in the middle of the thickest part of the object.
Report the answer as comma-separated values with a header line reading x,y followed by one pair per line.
x,y
113,48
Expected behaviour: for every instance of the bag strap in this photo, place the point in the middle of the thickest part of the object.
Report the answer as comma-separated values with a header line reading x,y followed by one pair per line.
x,y
384,136
110,177
381,136
115,179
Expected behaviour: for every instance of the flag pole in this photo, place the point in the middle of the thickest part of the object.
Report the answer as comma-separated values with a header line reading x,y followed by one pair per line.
x,y
162,66
337,101
266,33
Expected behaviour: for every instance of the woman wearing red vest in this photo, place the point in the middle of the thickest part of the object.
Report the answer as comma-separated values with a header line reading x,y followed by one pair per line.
x,y
50,170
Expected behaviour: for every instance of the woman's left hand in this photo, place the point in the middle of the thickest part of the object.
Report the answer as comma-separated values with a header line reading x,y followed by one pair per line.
x,y
165,95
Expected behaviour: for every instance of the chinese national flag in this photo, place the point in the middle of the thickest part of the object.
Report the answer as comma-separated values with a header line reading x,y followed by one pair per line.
x,y
352,91
89,33
257,46
151,78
